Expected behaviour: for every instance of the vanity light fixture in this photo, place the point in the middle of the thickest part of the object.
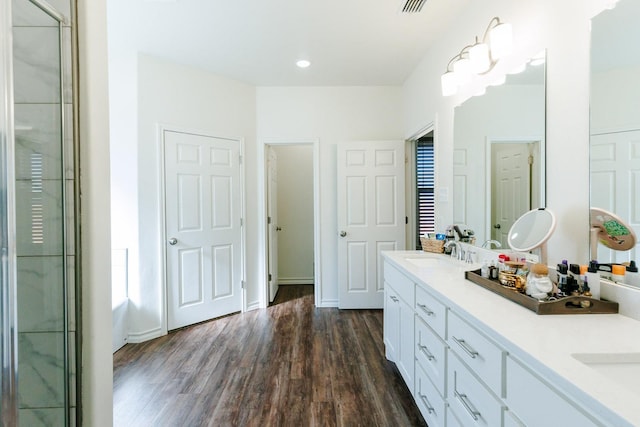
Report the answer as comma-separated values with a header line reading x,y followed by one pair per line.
x,y
478,58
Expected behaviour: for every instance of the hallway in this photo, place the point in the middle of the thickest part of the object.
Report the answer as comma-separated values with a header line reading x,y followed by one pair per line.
x,y
289,365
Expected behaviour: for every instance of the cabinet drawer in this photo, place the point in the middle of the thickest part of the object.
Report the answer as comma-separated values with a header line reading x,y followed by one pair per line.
x,y
536,403
432,311
483,356
431,404
431,354
403,286
470,400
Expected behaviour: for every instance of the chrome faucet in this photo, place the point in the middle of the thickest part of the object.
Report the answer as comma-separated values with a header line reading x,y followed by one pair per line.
x,y
456,249
469,257
488,244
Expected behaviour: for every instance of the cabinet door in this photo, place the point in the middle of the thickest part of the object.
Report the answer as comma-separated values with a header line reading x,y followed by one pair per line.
x,y
391,324
406,360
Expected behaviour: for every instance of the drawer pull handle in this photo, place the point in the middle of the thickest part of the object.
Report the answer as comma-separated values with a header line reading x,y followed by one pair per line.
x,y
468,349
425,350
426,309
394,298
424,399
467,405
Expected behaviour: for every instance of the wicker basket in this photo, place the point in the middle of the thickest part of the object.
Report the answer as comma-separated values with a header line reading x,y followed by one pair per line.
x,y
431,245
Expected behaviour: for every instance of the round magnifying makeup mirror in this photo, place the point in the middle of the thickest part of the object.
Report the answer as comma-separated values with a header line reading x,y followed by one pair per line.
x,y
531,231
610,230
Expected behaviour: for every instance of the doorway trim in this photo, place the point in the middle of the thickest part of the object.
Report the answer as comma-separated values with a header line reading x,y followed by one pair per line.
x,y
263,283
410,182
489,170
161,129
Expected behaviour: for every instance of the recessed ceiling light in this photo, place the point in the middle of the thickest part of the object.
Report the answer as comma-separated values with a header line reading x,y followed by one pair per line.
x,y
303,63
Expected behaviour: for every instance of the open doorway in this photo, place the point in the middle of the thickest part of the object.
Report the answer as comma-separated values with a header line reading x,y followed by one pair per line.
x,y
291,216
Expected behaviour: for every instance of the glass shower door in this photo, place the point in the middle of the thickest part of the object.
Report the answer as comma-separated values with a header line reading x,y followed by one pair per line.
x,y
44,189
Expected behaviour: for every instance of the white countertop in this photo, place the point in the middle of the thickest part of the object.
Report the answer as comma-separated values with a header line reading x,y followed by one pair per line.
x,y
545,342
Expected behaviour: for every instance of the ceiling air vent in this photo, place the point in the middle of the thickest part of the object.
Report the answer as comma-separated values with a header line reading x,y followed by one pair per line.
x,y
412,6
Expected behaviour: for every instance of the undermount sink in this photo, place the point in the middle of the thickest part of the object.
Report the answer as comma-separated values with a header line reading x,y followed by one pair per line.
x,y
424,262
623,368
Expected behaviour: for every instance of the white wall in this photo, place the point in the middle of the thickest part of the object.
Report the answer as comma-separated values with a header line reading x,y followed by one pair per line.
x,y
295,213
123,113
97,361
562,27
333,115
187,98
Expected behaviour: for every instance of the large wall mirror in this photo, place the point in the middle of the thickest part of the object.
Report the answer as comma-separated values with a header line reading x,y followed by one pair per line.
x,y
615,118
499,154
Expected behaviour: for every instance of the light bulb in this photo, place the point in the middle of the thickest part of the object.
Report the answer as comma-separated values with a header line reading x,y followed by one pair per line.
x,y
479,58
501,41
462,70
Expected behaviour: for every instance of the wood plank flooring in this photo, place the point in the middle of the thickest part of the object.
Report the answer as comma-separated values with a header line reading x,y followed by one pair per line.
x,y
289,365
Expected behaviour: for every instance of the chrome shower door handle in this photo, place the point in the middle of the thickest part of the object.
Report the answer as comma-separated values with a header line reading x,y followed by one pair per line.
x,y
173,241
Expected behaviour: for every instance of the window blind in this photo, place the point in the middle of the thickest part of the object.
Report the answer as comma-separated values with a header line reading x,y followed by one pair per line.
x,y
425,188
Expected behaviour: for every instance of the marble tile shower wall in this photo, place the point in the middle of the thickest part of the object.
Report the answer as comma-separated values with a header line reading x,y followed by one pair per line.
x,y
39,211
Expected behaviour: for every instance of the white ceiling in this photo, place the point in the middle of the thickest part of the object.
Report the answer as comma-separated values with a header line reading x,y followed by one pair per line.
x,y
349,42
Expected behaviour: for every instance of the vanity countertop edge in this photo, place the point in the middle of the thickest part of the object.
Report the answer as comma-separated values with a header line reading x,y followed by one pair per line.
x,y
545,342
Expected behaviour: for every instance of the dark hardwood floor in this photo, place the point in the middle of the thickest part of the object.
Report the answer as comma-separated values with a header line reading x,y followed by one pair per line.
x,y
289,365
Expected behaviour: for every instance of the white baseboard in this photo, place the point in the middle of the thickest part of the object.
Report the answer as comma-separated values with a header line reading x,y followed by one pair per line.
x,y
253,305
295,280
328,303
139,337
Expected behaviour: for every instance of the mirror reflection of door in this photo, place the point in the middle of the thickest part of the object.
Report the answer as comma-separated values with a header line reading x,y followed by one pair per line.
x,y
272,222
515,188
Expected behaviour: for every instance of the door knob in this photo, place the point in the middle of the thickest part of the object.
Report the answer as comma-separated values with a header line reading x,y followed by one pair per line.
x,y
343,233
496,226
173,241
278,229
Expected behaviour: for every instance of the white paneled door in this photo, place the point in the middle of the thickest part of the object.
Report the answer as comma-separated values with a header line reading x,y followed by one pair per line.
x,y
615,184
203,230
511,182
371,217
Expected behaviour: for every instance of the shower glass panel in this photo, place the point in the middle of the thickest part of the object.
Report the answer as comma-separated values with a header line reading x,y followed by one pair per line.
x,y
44,188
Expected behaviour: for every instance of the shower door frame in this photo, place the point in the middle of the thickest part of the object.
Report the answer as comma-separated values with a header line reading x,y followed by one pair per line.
x,y
8,266
8,241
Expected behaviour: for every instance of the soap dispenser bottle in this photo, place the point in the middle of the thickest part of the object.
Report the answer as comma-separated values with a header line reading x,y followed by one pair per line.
x,y
632,277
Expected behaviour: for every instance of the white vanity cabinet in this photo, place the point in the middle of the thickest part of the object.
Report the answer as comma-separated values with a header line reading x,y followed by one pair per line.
x,y
398,321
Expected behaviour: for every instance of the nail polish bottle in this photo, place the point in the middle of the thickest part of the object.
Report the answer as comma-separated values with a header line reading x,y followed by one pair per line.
x,y
592,277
